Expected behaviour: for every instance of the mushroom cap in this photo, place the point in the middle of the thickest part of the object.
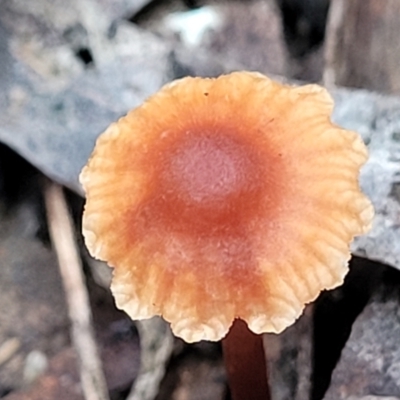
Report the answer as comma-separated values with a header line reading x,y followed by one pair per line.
x,y
223,198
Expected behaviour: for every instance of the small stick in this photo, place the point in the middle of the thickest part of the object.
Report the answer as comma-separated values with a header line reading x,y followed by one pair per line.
x,y
62,235
156,345
245,363
8,349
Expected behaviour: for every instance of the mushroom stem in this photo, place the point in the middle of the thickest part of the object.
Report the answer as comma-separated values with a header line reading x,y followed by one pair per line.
x,y
245,363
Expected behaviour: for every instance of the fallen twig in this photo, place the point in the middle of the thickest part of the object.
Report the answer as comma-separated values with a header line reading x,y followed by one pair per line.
x,y
8,349
62,236
156,343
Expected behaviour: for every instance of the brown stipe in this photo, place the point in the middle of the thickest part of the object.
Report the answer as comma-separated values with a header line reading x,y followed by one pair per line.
x,y
245,363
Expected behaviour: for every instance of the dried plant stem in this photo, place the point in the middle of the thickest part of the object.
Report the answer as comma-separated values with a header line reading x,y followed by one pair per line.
x,y
156,344
245,363
62,236
8,348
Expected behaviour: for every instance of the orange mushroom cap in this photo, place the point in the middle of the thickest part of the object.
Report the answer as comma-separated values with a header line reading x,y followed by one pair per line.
x,y
233,197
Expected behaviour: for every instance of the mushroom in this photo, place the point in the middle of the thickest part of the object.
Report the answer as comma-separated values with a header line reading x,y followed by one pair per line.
x,y
225,198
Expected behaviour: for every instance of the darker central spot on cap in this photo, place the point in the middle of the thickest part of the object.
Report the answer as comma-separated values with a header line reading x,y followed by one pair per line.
x,y
207,182
209,168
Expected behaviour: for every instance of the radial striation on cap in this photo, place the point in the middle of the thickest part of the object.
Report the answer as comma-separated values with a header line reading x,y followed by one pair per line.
x,y
224,198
